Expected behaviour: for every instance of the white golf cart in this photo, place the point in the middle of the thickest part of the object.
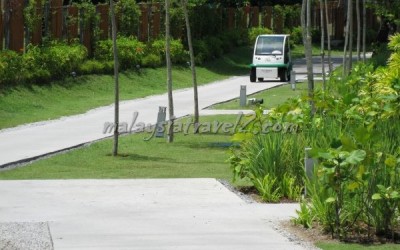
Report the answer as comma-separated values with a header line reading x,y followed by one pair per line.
x,y
271,58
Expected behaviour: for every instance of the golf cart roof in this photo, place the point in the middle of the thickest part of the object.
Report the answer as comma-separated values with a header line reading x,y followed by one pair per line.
x,y
274,35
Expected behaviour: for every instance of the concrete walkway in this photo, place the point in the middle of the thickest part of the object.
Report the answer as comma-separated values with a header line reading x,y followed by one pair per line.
x,y
33,140
140,214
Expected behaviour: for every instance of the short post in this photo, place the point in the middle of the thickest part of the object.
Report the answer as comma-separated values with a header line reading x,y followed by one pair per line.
x,y
309,166
243,96
293,79
162,114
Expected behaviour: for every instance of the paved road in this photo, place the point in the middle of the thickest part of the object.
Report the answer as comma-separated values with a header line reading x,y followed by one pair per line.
x,y
139,214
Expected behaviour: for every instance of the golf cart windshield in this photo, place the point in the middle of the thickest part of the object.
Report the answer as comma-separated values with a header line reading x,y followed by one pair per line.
x,y
270,45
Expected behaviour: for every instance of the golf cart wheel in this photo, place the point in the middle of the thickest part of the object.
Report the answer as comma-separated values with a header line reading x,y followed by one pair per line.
x,y
253,75
260,79
288,75
282,74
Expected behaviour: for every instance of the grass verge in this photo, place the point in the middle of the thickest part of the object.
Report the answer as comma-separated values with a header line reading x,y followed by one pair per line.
x,y
28,104
189,156
272,97
348,246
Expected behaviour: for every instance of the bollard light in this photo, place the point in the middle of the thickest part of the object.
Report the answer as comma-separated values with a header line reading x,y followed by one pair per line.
x,y
243,96
162,114
293,79
308,165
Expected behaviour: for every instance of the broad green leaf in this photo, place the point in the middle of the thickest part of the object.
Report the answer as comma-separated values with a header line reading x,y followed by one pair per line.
x,y
394,195
330,200
360,172
347,143
372,113
326,155
391,161
239,137
381,188
376,196
356,157
353,185
362,135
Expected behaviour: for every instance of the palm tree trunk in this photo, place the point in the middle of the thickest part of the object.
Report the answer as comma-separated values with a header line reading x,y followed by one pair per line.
x,y
170,136
116,84
192,66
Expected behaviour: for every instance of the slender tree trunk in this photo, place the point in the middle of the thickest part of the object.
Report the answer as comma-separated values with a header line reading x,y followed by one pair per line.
x,y
116,84
358,30
170,136
192,66
350,64
303,18
346,40
364,39
328,36
306,26
321,5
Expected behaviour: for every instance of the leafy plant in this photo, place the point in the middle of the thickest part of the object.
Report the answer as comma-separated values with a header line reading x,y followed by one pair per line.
x,y
289,188
128,14
10,64
254,32
267,187
304,215
130,51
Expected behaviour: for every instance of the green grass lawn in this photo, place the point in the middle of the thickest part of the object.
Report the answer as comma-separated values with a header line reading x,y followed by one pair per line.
x,y
21,105
272,97
298,51
347,246
189,156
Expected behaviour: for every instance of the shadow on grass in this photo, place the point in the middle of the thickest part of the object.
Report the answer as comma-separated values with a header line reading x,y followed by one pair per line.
x,y
234,63
210,145
138,157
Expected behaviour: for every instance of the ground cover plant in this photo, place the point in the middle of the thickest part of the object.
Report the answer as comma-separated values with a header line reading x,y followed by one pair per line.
x,y
353,132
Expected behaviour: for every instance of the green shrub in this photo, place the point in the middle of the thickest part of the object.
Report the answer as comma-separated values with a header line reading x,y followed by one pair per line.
x,y
10,67
61,59
35,69
151,60
128,13
227,43
130,51
178,52
201,51
96,67
296,35
316,35
157,47
214,45
240,37
254,32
